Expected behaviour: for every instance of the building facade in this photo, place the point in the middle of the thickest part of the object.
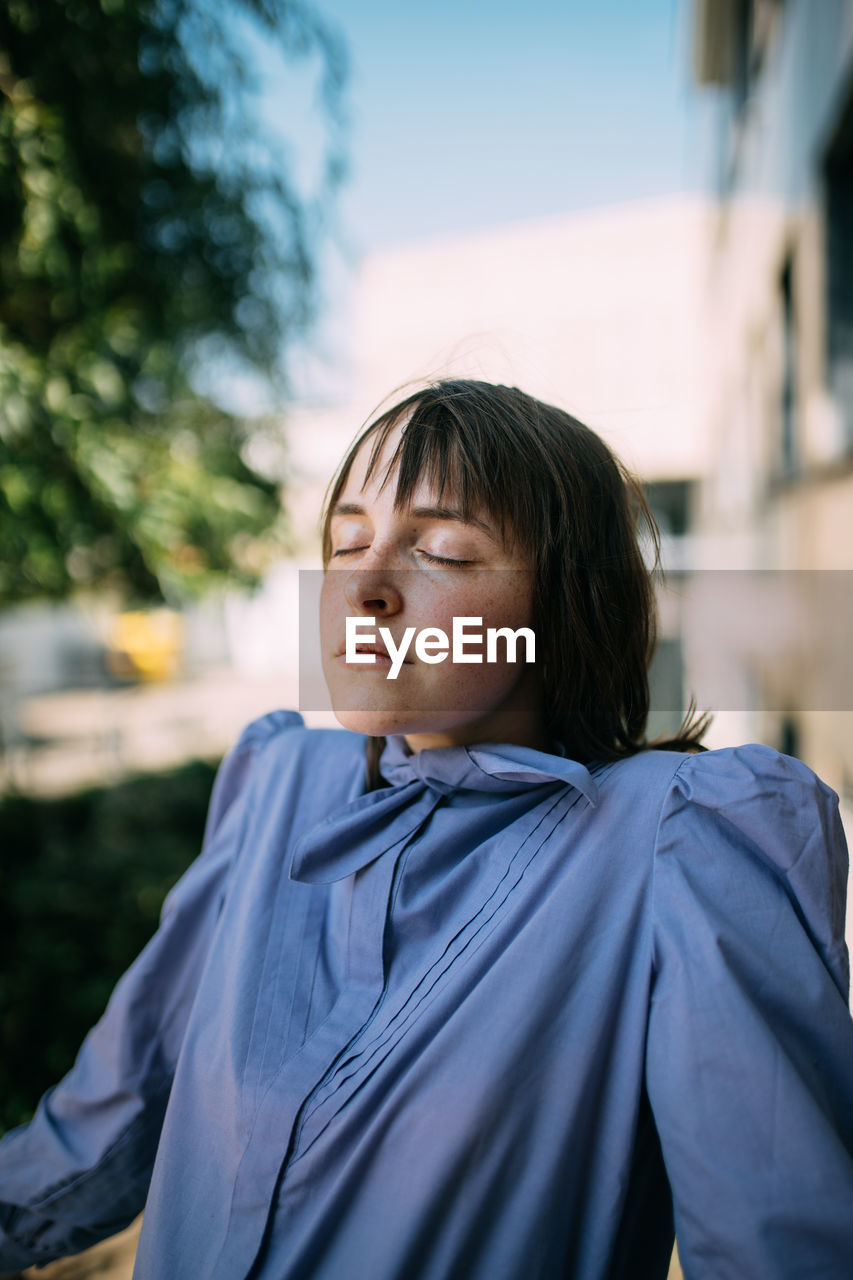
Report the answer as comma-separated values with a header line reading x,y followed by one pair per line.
x,y
779,319
778,499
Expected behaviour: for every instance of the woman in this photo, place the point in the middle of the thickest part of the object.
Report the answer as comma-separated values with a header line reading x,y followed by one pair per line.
x,y
483,994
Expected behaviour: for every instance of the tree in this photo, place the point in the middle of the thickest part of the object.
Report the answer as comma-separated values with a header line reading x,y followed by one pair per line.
x,y
147,223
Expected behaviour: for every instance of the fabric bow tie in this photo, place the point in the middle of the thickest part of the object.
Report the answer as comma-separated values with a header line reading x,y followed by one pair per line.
x,y
361,831
486,767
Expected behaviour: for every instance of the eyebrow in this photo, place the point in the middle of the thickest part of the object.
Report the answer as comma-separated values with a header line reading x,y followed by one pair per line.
x,y
421,513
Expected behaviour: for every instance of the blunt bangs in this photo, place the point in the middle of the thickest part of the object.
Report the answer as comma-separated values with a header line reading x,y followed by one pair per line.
x,y
471,443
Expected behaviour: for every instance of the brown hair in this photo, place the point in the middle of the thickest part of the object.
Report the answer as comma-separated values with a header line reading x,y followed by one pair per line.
x,y
560,495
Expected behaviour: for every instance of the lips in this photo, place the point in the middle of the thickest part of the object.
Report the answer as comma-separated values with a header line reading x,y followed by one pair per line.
x,y
364,647
383,657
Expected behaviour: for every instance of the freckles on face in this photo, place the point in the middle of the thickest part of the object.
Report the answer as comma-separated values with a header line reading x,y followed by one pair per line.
x,y
424,697
412,569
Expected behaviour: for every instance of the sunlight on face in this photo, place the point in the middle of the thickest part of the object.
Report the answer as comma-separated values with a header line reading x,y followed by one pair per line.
x,y
421,567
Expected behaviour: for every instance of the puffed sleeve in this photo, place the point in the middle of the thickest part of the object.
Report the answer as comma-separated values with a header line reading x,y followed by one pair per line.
x,y
750,1042
79,1171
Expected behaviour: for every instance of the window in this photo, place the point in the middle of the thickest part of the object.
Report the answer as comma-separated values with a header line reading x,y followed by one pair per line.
x,y
788,451
839,248
666,687
789,737
743,68
731,42
670,501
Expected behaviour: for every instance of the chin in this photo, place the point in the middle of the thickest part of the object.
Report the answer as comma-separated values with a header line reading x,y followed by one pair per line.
x,y
377,723
374,724
370,723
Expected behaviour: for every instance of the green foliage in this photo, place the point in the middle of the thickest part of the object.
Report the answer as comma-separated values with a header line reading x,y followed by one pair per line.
x,y
147,224
83,880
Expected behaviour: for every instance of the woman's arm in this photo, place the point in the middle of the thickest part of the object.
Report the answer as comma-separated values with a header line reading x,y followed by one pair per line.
x,y
79,1171
750,1042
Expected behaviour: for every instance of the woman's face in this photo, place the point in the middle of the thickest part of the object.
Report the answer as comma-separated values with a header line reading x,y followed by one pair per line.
x,y
421,567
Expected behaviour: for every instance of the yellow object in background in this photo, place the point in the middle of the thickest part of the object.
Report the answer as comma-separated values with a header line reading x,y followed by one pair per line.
x,y
145,644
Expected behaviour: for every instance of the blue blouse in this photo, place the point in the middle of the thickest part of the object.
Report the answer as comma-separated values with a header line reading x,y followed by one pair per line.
x,y
471,1026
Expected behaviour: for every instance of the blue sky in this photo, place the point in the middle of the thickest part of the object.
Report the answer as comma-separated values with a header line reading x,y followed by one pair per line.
x,y
466,115
463,116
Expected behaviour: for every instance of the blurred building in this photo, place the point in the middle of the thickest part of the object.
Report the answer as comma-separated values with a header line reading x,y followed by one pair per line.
x,y
779,320
595,311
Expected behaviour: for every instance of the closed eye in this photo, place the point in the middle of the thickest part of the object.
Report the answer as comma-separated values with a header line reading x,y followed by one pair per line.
x,y
446,560
425,555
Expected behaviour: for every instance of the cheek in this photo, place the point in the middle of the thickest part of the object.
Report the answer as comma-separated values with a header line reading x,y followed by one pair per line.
x,y
501,599
506,603
333,606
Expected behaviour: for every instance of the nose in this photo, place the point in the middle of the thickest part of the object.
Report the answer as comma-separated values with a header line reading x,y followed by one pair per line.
x,y
373,592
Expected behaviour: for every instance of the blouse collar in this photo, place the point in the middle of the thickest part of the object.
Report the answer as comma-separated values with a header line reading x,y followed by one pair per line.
x,y
485,767
354,836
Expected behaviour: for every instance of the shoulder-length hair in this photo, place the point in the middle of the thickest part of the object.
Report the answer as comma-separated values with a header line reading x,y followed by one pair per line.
x,y
559,494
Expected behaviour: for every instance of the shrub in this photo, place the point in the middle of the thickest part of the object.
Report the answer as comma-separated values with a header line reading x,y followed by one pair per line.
x,y
83,879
